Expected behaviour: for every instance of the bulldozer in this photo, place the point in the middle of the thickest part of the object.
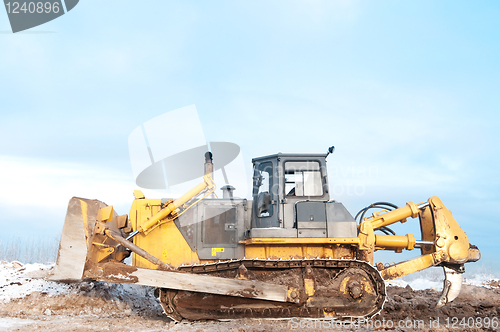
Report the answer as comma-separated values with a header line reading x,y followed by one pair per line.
x,y
291,251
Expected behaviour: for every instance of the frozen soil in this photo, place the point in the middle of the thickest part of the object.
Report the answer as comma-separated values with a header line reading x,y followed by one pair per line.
x,y
94,306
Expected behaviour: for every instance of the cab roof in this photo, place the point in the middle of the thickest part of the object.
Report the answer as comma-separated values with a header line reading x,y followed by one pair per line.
x,y
299,155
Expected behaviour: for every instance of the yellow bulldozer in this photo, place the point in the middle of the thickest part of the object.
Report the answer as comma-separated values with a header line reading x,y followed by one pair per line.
x,y
291,251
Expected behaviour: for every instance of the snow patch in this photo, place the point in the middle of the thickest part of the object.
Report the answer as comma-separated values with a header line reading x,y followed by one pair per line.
x,y
416,284
431,282
11,323
18,281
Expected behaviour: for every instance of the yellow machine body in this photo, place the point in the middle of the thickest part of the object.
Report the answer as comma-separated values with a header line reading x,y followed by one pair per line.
x,y
165,242
233,258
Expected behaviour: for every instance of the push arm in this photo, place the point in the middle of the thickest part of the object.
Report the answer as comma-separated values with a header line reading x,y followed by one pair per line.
x,y
173,208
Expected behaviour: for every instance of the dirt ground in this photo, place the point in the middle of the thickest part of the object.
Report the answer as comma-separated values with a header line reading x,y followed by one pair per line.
x,y
96,307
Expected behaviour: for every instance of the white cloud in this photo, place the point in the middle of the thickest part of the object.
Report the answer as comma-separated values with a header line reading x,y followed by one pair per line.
x,y
31,187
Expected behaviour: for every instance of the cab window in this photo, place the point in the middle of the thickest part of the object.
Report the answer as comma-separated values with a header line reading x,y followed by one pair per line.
x,y
303,178
263,184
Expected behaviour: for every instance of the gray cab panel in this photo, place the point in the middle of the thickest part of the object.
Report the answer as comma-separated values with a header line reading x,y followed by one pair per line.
x,y
311,219
274,232
214,227
340,222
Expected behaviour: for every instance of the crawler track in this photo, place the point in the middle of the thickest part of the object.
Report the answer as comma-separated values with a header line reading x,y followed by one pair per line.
x,y
341,289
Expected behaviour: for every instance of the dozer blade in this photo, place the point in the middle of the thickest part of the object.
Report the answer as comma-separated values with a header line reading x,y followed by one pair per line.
x,y
78,258
451,288
72,254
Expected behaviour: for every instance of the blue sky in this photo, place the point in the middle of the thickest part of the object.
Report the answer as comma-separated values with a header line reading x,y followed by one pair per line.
x,y
407,89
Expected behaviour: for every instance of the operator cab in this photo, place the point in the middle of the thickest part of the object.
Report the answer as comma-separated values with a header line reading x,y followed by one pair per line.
x,y
291,199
